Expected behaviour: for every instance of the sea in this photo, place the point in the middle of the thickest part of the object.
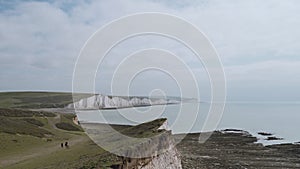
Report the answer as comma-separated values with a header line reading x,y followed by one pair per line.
x,y
282,120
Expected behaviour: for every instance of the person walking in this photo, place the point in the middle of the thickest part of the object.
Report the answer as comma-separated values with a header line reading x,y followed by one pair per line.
x,y
66,144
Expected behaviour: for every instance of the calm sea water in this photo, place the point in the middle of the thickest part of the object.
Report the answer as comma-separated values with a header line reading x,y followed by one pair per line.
x,y
283,120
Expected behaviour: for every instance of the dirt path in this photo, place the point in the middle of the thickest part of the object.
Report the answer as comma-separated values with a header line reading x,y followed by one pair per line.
x,y
54,120
44,150
39,151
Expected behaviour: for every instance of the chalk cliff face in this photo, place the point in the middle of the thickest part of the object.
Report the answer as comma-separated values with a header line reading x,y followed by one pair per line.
x,y
167,156
154,146
167,160
106,102
170,159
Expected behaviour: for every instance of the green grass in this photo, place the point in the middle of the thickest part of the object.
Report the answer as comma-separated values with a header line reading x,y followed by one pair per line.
x,y
24,113
37,99
68,117
133,144
29,151
31,139
24,122
19,126
66,123
34,121
144,130
76,156
12,144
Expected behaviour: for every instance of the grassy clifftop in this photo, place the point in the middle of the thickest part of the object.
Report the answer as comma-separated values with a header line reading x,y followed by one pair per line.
x,y
37,99
31,139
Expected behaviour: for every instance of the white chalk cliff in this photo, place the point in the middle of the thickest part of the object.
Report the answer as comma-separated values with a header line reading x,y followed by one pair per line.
x,y
168,159
157,151
105,102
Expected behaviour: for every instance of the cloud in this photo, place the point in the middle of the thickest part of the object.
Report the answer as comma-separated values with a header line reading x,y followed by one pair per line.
x,y
255,39
264,81
250,29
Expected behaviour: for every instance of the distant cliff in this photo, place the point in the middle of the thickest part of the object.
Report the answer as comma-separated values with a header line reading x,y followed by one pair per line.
x,y
108,102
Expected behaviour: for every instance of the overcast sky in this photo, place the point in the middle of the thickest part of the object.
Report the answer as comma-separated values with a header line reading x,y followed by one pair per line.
x,y
258,43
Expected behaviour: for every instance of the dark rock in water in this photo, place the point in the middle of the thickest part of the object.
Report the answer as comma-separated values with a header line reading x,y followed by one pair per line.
x,y
233,130
273,138
265,134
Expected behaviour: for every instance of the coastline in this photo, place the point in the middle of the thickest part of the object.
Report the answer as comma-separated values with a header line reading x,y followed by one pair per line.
x,y
231,148
236,150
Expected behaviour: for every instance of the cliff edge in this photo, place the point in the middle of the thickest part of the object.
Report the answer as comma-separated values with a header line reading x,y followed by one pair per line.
x,y
145,146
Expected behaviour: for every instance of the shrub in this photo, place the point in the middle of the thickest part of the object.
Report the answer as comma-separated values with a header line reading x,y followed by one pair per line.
x,y
67,126
34,122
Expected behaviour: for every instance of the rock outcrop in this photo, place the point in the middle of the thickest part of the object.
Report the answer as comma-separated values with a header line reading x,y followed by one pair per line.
x,y
109,102
170,159
152,146
160,152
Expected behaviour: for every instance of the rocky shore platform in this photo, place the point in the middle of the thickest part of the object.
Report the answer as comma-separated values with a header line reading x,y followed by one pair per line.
x,y
226,149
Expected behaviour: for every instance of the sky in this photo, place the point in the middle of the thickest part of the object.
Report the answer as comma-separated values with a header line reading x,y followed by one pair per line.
x,y
258,43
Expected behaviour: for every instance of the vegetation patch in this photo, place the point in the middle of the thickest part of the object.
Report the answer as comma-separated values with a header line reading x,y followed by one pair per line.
x,y
34,122
24,113
67,126
19,126
33,100
144,130
69,116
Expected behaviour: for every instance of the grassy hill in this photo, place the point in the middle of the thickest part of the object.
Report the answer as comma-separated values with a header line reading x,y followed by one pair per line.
x,y
34,100
31,139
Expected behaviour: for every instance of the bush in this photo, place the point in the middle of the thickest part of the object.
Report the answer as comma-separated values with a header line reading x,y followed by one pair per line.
x,y
69,116
34,122
67,126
